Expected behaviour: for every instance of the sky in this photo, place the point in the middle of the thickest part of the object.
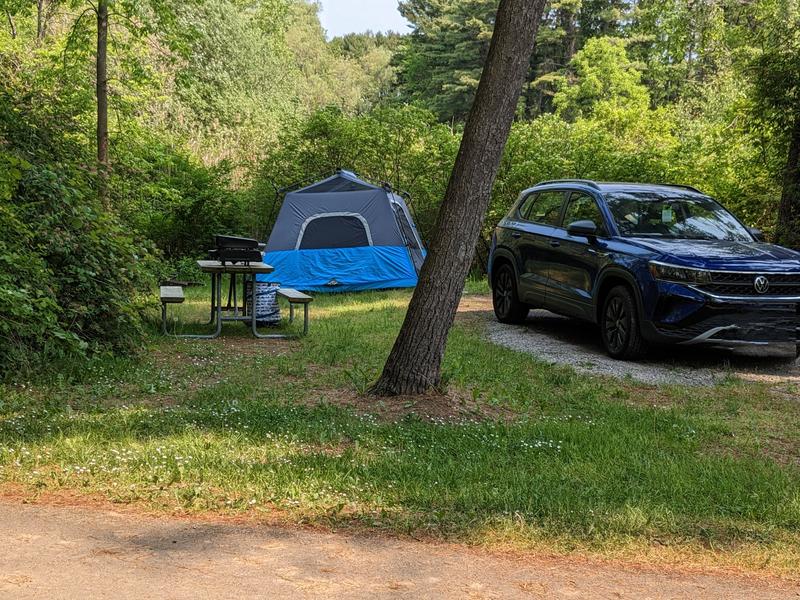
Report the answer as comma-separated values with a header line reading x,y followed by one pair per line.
x,y
355,16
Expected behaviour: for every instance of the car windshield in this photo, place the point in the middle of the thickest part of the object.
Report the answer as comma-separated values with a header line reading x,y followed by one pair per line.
x,y
674,216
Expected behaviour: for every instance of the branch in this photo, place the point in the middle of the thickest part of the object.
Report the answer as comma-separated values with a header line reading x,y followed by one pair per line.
x,y
132,25
72,34
11,25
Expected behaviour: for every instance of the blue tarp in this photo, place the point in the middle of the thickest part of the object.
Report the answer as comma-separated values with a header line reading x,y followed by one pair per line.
x,y
352,269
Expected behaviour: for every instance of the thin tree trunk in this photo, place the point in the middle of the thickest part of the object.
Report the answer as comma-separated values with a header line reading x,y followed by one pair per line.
x,y
102,101
567,17
414,365
11,25
40,18
788,232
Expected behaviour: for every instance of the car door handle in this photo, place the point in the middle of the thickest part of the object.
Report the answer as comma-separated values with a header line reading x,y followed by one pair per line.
x,y
555,243
516,235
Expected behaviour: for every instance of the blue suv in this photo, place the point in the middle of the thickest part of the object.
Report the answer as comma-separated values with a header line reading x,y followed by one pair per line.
x,y
649,264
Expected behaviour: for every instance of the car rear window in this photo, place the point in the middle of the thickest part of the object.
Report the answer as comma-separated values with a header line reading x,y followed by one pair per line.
x,y
543,208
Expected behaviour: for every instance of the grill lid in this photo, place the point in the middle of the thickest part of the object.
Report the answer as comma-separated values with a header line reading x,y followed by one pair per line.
x,y
233,249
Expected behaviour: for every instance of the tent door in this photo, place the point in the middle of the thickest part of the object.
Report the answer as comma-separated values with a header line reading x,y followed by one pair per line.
x,y
409,237
334,230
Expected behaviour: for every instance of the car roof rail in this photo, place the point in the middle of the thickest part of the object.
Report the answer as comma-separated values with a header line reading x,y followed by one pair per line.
x,y
685,187
588,182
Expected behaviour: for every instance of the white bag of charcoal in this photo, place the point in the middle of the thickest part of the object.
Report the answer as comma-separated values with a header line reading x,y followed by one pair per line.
x,y
267,310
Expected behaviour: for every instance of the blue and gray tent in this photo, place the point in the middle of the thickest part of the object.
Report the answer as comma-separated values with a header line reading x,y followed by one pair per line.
x,y
344,234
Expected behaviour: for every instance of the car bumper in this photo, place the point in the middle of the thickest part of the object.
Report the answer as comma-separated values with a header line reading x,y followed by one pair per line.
x,y
684,315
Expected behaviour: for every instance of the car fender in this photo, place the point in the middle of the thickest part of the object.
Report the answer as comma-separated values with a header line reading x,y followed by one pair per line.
x,y
504,252
615,270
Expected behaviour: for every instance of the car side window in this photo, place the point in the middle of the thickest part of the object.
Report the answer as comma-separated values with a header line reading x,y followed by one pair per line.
x,y
582,207
543,208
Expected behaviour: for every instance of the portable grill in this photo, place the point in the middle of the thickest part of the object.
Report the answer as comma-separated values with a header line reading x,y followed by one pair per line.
x,y
235,250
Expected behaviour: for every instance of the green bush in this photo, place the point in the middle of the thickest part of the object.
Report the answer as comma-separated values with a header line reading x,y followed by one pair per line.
x,y
168,197
404,146
696,145
72,276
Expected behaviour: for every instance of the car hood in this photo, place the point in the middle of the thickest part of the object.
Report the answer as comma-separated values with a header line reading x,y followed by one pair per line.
x,y
723,255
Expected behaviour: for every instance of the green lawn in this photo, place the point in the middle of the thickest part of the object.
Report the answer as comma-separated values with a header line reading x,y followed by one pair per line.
x,y
519,454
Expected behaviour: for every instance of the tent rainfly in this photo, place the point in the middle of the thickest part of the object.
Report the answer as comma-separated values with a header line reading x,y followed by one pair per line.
x,y
344,234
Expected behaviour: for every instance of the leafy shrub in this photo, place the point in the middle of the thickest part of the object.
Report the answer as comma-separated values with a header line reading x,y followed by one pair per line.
x,y
616,141
71,274
404,146
170,198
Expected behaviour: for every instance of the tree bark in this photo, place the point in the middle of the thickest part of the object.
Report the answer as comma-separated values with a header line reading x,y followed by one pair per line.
x,y
567,17
414,365
788,230
102,101
41,19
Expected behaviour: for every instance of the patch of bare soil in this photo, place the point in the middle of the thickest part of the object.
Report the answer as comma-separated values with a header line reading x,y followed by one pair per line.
x,y
222,347
475,309
180,359
453,406
113,553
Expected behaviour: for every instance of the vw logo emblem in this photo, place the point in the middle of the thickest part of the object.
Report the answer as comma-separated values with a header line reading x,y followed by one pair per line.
x,y
761,284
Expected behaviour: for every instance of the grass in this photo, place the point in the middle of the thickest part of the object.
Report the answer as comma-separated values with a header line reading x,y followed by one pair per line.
x,y
524,454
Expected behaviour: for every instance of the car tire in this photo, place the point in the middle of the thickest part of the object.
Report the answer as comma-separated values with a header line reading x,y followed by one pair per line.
x,y
505,299
619,325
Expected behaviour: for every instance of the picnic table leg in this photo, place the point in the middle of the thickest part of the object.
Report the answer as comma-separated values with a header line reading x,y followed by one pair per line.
x,y
216,307
213,300
219,306
235,301
244,294
305,318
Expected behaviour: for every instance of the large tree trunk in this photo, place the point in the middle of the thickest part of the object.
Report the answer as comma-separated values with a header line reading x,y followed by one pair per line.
x,y
788,232
102,101
414,365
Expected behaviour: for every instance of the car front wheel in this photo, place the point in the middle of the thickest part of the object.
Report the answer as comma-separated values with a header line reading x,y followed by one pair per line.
x,y
507,307
619,325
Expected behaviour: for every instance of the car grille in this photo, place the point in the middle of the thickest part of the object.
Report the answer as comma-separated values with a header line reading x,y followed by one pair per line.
x,y
742,284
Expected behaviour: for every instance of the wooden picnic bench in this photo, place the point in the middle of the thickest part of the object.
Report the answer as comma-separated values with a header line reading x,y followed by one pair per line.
x,y
170,294
293,297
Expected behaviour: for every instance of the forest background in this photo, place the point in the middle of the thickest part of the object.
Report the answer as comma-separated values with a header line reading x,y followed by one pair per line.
x,y
216,104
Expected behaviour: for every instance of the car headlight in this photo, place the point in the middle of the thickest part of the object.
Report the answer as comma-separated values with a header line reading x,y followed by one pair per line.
x,y
666,272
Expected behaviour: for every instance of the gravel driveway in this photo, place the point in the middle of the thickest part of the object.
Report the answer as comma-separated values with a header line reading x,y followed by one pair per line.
x,y
563,341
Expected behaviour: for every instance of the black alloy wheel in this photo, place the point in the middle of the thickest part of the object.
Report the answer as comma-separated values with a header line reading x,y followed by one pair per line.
x,y
619,325
507,307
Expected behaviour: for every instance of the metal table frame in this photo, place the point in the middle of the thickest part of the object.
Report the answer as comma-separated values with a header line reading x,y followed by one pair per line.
x,y
217,270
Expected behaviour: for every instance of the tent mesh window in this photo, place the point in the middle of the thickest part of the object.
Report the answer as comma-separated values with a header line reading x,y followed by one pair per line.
x,y
334,232
411,240
405,227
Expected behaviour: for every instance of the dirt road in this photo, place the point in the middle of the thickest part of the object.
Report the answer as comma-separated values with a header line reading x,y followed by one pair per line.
x,y
92,553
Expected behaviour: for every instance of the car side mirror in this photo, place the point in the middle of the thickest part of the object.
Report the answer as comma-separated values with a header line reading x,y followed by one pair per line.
x,y
582,229
756,233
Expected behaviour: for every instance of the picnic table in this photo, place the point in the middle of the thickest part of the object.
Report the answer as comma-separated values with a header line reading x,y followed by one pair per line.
x,y
217,270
